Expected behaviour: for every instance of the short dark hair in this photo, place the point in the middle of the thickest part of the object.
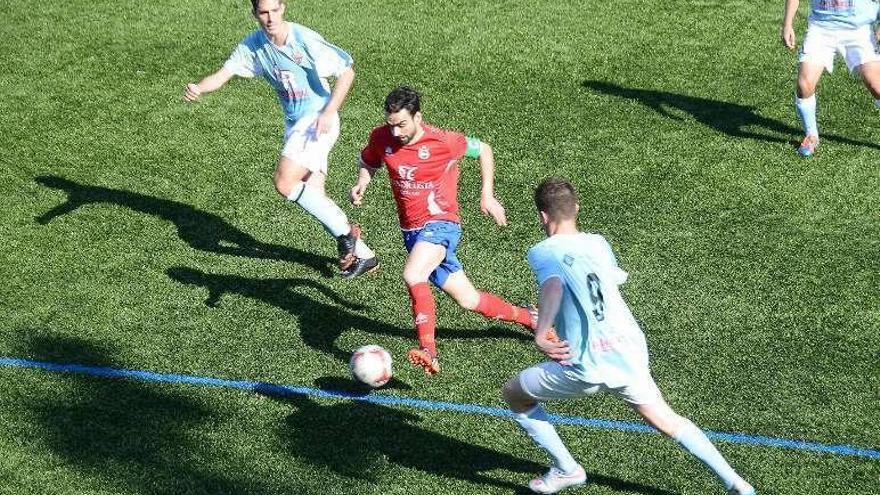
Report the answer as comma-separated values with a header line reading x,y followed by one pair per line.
x,y
557,198
403,98
256,3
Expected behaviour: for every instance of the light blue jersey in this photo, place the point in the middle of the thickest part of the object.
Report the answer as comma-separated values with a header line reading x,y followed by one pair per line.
x,y
606,342
843,14
298,71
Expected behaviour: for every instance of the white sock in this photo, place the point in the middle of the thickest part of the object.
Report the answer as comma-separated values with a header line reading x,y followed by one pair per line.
x,y
361,250
806,110
877,103
693,440
322,208
537,425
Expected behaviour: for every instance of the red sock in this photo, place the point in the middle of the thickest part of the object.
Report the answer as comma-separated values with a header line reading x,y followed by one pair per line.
x,y
424,315
492,306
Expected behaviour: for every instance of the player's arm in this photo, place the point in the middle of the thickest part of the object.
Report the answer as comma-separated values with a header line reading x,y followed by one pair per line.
x,y
340,90
489,205
210,83
365,175
545,336
788,37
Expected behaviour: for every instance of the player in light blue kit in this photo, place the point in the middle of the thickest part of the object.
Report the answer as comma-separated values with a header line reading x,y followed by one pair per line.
x,y
296,62
834,26
596,346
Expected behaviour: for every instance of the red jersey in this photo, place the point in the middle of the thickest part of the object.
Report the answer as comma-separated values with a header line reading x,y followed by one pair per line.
x,y
424,175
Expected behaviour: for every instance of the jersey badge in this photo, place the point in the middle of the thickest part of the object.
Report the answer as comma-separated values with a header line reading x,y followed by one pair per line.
x,y
424,153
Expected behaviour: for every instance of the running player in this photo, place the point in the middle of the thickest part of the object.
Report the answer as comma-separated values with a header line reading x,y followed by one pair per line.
x,y
422,165
834,26
296,62
596,345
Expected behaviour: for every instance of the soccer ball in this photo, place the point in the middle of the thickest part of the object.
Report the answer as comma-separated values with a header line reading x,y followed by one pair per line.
x,y
371,364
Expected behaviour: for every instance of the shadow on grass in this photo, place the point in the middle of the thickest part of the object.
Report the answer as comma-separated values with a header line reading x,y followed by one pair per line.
x,y
355,439
199,229
320,323
732,119
129,436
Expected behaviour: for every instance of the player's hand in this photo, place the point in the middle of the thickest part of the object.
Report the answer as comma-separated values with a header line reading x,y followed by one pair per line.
x,y
491,207
788,37
356,195
554,348
323,123
192,92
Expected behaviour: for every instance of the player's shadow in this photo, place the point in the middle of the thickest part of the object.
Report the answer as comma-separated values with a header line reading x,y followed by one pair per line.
x,y
199,229
320,323
132,436
355,438
732,119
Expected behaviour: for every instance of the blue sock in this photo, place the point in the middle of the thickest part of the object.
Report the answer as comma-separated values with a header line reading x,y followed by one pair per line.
x,y
322,208
806,110
693,440
537,425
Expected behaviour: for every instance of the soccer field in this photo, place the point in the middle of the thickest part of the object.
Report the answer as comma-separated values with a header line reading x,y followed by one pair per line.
x,y
142,233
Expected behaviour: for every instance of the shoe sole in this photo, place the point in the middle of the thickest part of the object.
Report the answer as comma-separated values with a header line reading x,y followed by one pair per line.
x,y
371,270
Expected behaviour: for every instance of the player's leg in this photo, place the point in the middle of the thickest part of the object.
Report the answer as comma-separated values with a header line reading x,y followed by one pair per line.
x,y
690,438
423,259
521,393
816,56
365,259
870,73
809,74
452,280
300,177
460,288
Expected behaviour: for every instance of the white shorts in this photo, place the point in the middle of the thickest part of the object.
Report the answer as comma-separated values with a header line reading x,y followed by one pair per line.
x,y
551,381
856,46
304,145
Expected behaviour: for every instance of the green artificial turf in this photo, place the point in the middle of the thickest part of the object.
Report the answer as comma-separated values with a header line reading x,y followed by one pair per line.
x,y
141,232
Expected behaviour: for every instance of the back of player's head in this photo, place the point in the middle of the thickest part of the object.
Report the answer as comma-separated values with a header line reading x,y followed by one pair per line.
x,y
557,198
403,98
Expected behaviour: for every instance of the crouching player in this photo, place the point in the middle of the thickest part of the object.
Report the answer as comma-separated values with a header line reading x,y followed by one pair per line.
x,y
596,346
422,164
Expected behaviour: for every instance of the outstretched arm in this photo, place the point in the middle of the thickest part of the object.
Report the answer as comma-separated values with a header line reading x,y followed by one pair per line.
x,y
788,37
210,83
489,205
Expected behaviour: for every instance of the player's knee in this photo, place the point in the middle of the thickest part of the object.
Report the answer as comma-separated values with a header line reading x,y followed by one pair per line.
x,y
874,88
468,301
513,395
805,87
413,276
287,187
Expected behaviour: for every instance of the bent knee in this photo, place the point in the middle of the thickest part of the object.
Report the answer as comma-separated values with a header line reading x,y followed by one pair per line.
x,y
412,276
285,187
468,301
515,397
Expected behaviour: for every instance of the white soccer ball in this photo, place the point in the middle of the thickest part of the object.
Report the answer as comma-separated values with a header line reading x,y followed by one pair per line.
x,y
371,364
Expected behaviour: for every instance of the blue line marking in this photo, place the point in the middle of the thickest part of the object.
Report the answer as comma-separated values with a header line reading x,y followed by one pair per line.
x,y
391,400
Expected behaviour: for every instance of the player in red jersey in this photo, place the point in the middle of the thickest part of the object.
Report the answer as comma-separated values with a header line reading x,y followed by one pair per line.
x,y
422,164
